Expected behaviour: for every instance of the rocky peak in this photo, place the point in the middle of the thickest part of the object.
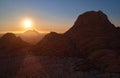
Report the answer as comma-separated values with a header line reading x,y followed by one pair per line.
x,y
10,42
92,20
52,34
8,36
31,32
92,37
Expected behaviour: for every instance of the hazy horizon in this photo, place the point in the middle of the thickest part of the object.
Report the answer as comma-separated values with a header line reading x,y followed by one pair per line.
x,y
51,15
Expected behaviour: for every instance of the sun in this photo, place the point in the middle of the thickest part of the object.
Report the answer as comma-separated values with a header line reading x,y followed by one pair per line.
x,y
27,24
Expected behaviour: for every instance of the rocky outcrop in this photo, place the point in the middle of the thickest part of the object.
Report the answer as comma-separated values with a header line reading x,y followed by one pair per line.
x,y
92,30
92,37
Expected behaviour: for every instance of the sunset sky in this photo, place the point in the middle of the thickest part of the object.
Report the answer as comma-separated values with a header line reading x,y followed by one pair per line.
x,y
51,15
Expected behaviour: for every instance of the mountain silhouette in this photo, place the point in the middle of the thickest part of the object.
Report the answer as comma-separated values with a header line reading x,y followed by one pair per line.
x,y
54,44
92,37
92,30
9,42
32,36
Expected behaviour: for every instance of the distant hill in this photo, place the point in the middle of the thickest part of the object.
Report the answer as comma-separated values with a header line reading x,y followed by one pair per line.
x,y
92,37
32,36
9,42
54,44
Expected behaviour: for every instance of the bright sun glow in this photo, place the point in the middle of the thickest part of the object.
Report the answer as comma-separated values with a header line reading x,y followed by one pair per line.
x,y
27,24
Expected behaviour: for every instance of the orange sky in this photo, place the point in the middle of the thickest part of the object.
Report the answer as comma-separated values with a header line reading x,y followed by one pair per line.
x,y
51,15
